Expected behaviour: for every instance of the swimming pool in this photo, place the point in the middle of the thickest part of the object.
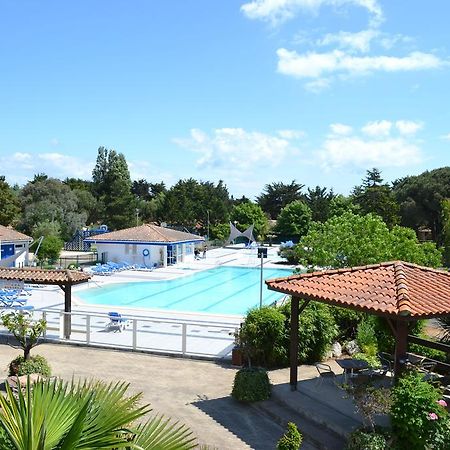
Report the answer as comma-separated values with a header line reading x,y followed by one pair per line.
x,y
222,290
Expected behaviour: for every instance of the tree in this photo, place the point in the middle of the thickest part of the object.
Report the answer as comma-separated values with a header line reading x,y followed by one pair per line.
x,y
9,204
26,331
377,198
276,196
50,248
190,203
112,187
59,415
319,200
50,199
446,230
341,204
420,199
353,240
294,220
247,214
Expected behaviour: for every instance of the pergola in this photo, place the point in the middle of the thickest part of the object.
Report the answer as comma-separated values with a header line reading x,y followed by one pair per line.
x,y
65,279
398,291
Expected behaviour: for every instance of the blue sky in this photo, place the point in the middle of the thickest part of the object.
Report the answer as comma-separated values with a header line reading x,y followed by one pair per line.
x,y
249,91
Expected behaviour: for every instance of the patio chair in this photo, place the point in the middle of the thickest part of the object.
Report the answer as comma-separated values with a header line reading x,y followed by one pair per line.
x,y
116,322
325,373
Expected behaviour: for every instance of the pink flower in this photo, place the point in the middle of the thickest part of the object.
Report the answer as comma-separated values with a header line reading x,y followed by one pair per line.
x,y
432,416
442,403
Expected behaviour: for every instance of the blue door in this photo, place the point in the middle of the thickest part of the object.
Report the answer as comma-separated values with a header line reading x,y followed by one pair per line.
x,y
8,250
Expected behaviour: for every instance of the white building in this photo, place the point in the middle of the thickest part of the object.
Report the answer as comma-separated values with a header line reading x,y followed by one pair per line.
x,y
14,248
147,245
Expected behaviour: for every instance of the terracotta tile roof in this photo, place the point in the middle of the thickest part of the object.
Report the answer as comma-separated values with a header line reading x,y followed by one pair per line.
x,y
43,276
146,233
394,288
8,234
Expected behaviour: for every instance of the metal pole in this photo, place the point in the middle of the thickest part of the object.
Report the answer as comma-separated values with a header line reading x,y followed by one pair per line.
x,y
261,282
207,230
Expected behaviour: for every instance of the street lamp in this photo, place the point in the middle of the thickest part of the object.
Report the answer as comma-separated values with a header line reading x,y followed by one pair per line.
x,y
207,226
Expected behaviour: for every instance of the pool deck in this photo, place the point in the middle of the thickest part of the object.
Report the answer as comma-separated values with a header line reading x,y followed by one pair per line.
x,y
206,335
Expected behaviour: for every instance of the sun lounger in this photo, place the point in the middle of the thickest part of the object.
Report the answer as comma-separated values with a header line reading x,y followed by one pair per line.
x,y
117,322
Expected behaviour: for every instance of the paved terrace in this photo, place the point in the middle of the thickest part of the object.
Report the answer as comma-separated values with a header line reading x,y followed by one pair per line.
x,y
206,335
198,394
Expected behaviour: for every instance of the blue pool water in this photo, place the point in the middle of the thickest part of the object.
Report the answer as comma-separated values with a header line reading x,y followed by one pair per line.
x,y
223,290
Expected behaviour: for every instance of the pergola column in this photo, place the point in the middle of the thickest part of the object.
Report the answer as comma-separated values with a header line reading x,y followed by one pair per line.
x,y
294,343
67,288
401,347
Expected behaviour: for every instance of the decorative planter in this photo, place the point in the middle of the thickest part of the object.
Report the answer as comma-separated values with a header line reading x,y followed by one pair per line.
x,y
237,357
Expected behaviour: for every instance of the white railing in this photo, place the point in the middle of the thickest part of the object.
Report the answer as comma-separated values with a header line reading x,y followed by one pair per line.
x,y
194,338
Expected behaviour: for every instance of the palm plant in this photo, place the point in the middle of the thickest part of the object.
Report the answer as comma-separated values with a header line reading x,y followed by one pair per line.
x,y
90,415
444,324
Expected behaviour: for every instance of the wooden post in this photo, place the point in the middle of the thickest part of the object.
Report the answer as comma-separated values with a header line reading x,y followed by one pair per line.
x,y
294,343
67,309
401,347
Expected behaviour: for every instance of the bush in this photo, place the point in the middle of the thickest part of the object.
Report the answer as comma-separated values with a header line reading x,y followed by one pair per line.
x,y
291,440
317,331
262,336
5,441
418,420
251,385
347,322
365,336
36,364
359,440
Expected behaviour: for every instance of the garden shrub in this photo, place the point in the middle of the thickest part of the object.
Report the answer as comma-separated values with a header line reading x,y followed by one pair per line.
x,y
5,441
36,364
291,440
428,352
418,420
317,331
262,336
365,336
360,440
347,322
251,385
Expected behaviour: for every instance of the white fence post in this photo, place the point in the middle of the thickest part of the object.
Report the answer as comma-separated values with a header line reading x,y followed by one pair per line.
x,y
183,338
88,329
44,317
134,334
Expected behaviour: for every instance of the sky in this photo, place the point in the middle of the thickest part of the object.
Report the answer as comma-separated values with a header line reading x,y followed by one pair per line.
x,y
248,91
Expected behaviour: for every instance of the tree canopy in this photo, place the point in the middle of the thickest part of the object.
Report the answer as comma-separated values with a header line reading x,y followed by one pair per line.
x,y
294,220
9,204
353,240
277,195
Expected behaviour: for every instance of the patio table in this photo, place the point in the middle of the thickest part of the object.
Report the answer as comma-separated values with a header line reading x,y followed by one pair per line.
x,y
351,366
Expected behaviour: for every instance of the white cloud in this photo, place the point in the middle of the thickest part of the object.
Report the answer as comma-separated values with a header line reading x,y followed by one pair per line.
x,y
318,85
60,165
316,65
54,142
236,147
377,148
408,127
446,137
21,157
359,41
291,134
341,129
355,151
377,128
277,11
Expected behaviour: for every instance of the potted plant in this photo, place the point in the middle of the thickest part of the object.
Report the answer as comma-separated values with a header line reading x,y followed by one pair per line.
x,y
237,354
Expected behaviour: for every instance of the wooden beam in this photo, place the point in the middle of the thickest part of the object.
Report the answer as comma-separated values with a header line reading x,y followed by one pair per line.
x,y
294,343
67,309
430,344
401,347
392,327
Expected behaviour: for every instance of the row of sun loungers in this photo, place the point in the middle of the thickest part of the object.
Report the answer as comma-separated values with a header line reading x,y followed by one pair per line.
x,y
111,267
15,299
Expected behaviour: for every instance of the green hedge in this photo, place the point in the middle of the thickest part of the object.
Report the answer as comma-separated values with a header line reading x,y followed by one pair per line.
x,y
251,385
36,364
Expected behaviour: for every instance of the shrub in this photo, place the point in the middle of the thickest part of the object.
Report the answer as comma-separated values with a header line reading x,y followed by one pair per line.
x,y
316,332
36,364
262,336
347,322
291,440
5,441
365,336
418,420
251,385
359,440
